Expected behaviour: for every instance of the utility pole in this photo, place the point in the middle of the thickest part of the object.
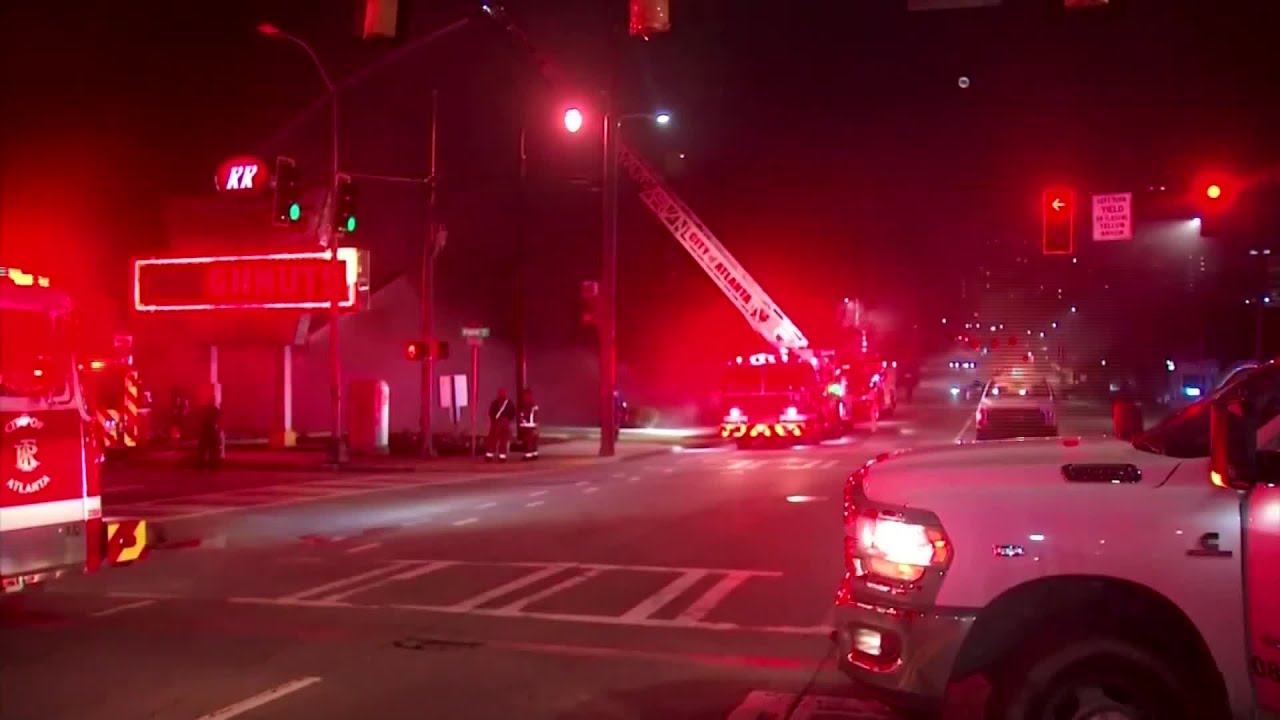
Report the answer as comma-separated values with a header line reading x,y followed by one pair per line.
x,y
607,322
522,209
427,311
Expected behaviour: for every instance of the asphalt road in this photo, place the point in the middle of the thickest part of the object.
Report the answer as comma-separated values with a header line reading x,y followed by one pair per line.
x,y
692,584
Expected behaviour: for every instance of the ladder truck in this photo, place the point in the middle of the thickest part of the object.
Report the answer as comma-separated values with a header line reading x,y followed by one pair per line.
x,y
800,393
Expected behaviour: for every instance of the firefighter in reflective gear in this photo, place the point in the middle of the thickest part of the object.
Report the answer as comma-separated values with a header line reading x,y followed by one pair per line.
x,y
528,425
501,412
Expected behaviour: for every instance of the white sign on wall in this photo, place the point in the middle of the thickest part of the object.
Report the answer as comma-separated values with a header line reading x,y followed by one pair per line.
x,y
1113,217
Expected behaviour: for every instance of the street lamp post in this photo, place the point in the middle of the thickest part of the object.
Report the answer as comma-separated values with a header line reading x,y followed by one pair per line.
x,y
337,448
607,316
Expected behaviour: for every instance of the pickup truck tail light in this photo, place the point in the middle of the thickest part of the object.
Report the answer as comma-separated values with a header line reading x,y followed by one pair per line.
x,y
981,417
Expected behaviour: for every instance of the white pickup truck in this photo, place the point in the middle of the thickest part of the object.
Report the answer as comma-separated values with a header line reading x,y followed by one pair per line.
x,y
1083,579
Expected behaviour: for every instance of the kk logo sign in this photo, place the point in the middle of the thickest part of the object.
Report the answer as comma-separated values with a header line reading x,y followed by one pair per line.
x,y
242,174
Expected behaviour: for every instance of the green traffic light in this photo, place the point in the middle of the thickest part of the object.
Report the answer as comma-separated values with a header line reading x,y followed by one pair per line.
x,y
351,224
295,212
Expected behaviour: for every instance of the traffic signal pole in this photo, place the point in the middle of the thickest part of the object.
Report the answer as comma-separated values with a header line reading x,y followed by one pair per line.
x,y
522,351
607,322
427,310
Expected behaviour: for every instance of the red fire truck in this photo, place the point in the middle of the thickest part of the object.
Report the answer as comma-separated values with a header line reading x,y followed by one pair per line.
x,y
781,397
51,520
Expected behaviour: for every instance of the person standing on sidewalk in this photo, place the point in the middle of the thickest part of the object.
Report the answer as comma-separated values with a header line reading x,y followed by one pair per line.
x,y
501,412
210,443
528,425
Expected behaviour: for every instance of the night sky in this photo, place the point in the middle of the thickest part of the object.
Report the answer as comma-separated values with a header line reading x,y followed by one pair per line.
x,y
826,143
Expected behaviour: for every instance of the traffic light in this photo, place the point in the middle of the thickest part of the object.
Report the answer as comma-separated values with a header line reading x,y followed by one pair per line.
x,y
1214,197
286,203
589,302
344,208
423,349
1058,221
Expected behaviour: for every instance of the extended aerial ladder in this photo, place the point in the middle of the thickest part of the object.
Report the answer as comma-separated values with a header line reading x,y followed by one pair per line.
x,y
759,310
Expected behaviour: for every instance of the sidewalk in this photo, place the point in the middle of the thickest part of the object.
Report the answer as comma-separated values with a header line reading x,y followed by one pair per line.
x,y
561,453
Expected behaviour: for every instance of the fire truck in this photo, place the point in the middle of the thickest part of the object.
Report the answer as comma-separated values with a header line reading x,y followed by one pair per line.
x,y
51,520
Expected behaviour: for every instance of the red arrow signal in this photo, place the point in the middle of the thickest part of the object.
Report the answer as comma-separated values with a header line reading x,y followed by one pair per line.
x,y
1058,222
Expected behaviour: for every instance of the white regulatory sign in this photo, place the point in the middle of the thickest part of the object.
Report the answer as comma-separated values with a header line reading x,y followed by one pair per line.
x,y
1113,217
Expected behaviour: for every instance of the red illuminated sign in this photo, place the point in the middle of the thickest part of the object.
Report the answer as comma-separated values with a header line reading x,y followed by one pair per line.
x,y
242,173
277,281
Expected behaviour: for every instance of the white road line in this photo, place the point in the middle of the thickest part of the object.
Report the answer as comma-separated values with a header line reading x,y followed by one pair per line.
x,y
534,503
476,601
409,574
260,699
344,582
658,600
740,464
712,597
122,608
828,464
142,595
609,566
486,506
633,478
608,620
589,490
667,471
803,465
964,430
362,548
584,483
514,608
465,521
537,493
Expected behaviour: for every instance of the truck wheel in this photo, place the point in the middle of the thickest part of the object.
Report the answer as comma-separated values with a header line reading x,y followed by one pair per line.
x,y
1098,678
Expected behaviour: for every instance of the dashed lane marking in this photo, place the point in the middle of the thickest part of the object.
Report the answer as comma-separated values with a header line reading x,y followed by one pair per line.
x,y
260,699
534,503
363,548
122,608
465,521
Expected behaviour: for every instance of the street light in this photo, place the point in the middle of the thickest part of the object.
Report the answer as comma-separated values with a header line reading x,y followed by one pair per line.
x,y
337,449
606,322
573,120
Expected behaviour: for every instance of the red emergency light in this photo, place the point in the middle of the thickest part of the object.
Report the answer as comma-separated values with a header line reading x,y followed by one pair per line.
x,y
274,281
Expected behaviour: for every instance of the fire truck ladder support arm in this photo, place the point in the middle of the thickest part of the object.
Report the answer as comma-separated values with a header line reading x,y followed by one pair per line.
x,y
764,315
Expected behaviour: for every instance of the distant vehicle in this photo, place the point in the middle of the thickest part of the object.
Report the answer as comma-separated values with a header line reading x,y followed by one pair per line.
x,y
1014,407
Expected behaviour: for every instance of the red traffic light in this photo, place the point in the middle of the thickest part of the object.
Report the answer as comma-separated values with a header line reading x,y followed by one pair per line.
x,y
1213,191
415,350
1058,226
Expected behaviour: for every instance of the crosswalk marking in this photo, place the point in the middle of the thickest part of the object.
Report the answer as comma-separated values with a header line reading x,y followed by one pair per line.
x,y
658,600
409,574
516,606
718,592
508,588
345,582
541,581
